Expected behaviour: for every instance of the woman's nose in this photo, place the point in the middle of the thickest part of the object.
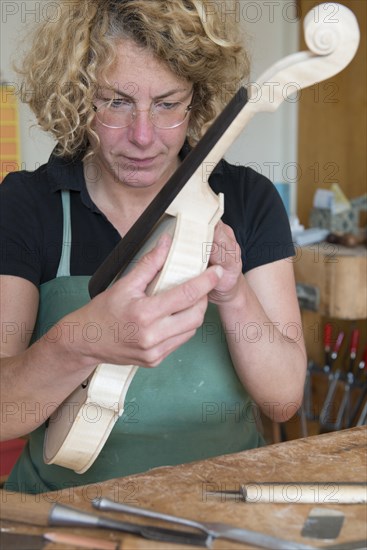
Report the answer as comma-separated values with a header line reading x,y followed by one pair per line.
x,y
142,128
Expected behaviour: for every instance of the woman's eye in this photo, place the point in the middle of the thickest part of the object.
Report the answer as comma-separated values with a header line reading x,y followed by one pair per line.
x,y
114,103
119,103
167,106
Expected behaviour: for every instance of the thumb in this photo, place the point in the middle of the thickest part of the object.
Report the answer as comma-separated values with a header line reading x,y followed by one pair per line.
x,y
149,265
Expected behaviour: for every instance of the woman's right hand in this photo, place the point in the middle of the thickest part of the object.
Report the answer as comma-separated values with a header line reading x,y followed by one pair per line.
x,y
130,327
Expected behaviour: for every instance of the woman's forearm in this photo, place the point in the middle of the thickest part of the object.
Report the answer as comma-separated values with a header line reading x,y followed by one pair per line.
x,y
268,355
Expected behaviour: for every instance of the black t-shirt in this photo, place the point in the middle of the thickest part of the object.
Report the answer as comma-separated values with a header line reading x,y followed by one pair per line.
x,y
32,221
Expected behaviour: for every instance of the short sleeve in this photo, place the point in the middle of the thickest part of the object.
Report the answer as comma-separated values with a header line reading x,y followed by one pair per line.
x,y
20,228
255,211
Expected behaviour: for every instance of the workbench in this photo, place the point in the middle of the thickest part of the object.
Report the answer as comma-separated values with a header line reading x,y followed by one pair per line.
x,y
187,490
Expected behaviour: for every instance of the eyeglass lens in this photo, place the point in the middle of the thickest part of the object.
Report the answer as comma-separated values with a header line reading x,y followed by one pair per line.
x,y
119,113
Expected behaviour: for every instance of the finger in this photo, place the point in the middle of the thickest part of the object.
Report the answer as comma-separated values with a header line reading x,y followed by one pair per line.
x,y
173,331
187,294
171,325
226,250
223,234
188,319
148,266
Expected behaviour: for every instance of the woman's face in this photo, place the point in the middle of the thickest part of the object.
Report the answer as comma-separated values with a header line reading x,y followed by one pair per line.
x,y
141,155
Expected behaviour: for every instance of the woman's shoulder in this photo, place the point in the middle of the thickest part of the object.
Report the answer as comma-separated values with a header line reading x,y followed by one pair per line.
x,y
239,178
244,189
24,186
255,211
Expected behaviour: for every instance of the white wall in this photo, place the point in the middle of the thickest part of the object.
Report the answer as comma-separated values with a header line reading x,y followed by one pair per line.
x,y
269,143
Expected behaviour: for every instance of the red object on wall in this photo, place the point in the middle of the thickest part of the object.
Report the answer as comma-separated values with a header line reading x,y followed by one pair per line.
x,y
9,453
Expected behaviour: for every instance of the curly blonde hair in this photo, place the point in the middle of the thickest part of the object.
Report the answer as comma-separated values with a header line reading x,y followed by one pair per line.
x,y
70,55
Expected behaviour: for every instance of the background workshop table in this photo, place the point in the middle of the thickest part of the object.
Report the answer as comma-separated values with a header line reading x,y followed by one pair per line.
x,y
186,491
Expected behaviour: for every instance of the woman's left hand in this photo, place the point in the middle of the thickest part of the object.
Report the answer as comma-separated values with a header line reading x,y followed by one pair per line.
x,y
226,252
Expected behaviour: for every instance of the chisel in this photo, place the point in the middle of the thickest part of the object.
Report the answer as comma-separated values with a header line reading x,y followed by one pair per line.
x,y
327,346
307,404
362,366
297,492
325,415
214,530
36,510
344,412
360,377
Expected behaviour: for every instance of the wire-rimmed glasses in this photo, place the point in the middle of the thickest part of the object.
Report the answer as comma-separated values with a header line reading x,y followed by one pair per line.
x,y
120,113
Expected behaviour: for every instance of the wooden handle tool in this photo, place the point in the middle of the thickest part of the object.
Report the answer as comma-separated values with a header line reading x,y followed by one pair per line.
x,y
25,508
297,493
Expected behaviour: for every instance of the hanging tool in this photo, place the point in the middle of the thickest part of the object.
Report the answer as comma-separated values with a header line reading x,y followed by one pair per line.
x,y
307,404
325,422
360,380
362,366
327,347
362,420
344,412
307,408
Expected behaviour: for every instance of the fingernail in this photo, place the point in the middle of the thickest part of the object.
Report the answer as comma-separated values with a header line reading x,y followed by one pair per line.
x,y
219,271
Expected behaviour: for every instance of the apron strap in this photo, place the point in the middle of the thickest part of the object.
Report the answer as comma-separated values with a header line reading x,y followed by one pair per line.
x,y
64,265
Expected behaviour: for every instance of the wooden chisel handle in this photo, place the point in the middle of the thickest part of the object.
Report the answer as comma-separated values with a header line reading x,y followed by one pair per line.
x,y
297,493
24,507
305,493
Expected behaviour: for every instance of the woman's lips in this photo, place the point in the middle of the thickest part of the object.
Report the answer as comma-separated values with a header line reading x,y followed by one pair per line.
x,y
147,161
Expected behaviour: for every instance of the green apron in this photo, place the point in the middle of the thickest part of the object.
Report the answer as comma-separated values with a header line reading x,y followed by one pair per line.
x,y
191,407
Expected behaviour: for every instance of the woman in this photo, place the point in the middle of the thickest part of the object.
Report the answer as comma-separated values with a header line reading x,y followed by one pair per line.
x,y
126,87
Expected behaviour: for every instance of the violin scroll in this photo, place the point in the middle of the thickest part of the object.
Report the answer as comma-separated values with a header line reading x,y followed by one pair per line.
x,y
332,35
331,28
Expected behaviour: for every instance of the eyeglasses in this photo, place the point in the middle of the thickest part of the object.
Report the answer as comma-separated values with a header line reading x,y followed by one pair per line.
x,y
120,113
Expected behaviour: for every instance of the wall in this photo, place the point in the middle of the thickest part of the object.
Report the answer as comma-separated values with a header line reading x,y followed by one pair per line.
x,y
332,125
269,143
